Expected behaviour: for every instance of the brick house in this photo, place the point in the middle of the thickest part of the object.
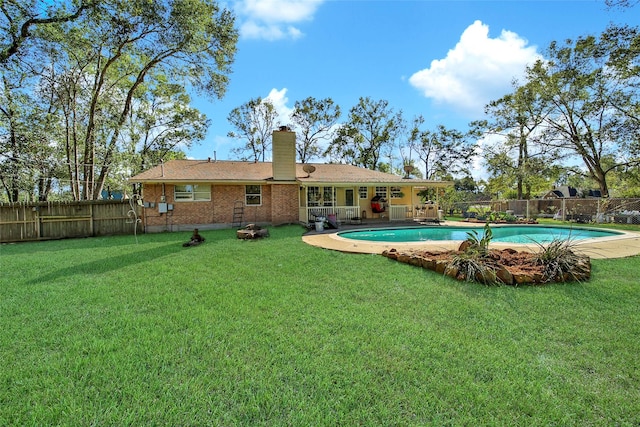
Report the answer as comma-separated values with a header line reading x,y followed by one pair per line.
x,y
207,194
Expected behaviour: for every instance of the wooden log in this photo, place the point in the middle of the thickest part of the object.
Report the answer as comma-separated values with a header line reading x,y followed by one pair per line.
x,y
244,234
252,234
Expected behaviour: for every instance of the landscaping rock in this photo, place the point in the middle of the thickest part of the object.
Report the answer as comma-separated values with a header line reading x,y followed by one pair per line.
x,y
393,254
441,266
522,279
464,246
506,266
504,275
403,257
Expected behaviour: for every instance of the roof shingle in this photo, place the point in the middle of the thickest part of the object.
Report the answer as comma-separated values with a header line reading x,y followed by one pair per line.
x,y
226,171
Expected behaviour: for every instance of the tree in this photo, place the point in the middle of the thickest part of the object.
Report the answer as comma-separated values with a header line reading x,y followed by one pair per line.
x,y
622,44
98,65
314,121
593,104
161,125
12,142
504,172
371,127
517,157
627,182
254,122
19,19
463,191
622,3
29,161
443,151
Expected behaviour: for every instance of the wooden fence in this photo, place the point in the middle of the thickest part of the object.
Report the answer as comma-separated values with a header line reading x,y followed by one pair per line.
x,y
58,220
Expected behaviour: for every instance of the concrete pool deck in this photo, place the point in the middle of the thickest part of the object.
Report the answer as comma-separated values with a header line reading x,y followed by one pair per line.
x,y
620,246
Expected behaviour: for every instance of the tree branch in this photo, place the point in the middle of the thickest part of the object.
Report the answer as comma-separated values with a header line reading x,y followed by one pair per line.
x,y
24,32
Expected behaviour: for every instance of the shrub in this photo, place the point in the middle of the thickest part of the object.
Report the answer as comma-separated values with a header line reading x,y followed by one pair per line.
x,y
561,263
509,217
474,262
480,244
472,266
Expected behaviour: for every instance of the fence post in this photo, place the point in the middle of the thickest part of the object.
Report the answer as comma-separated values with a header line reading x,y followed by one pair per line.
x,y
38,223
564,209
528,217
91,226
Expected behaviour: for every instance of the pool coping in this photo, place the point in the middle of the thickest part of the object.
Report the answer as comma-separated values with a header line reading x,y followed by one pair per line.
x,y
620,246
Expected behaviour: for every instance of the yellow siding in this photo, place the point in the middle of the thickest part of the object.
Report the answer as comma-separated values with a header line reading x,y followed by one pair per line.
x,y
284,156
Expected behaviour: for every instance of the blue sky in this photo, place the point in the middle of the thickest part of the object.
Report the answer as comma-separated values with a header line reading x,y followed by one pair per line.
x,y
442,59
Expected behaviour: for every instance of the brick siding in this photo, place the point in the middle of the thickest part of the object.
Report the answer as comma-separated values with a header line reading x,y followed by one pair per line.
x,y
279,206
285,204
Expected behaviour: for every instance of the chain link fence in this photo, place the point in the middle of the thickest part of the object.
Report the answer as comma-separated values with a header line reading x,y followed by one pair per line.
x,y
583,210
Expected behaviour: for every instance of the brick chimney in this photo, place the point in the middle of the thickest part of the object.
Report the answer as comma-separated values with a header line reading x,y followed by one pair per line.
x,y
284,154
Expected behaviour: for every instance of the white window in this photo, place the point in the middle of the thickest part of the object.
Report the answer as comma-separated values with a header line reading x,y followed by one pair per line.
x,y
313,196
396,193
192,193
382,192
253,195
363,192
328,196
320,196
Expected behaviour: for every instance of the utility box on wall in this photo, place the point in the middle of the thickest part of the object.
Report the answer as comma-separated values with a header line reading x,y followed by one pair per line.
x,y
162,208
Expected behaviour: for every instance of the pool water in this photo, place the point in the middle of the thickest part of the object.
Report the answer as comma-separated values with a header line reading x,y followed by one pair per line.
x,y
507,234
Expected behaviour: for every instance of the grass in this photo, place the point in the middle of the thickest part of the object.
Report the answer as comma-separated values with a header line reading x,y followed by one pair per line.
x,y
105,331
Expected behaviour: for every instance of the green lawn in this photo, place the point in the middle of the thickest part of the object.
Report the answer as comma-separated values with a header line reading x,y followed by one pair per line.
x,y
107,331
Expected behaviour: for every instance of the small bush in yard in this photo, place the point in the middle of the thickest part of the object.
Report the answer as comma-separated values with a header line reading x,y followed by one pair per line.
x,y
474,262
561,263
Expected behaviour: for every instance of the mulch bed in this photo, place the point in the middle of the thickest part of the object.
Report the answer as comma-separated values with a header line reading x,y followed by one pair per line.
x,y
506,266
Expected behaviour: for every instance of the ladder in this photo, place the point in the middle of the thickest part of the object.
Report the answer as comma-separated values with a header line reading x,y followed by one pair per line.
x,y
238,213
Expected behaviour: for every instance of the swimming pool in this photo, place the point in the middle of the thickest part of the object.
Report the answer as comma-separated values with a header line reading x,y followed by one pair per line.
x,y
506,234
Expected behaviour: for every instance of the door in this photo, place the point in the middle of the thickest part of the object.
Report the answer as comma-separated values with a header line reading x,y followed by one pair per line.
x,y
348,194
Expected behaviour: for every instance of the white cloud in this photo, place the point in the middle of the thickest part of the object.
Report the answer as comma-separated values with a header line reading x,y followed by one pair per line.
x,y
483,145
279,100
254,30
477,70
274,19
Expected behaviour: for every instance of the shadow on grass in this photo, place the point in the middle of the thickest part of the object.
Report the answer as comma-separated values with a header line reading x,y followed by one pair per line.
x,y
119,252
110,263
56,245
